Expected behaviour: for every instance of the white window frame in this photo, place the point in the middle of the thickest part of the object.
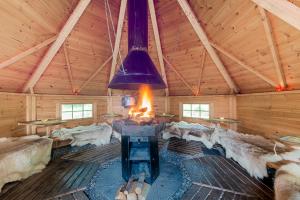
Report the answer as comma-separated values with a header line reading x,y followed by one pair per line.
x,y
82,118
193,103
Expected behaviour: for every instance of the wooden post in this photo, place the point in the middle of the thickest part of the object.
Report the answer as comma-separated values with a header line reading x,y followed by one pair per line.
x,y
158,44
66,30
180,76
204,39
244,65
201,71
94,74
117,41
273,48
283,9
28,52
70,75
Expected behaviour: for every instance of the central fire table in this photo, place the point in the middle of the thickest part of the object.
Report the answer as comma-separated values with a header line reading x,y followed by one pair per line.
x,y
139,149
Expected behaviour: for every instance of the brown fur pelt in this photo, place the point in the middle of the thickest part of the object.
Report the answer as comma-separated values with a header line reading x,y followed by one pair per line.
x,y
287,182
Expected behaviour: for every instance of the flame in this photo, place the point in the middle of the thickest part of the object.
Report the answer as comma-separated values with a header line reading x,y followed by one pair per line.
x,y
144,104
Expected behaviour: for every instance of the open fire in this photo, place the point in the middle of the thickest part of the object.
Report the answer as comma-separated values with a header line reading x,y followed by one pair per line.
x,y
143,111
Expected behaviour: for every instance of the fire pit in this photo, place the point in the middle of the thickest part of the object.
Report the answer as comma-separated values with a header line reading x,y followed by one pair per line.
x,y
139,148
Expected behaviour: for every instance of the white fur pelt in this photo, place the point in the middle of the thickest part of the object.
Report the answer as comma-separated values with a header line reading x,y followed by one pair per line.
x,y
21,157
82,135
188,131
252,152
287,182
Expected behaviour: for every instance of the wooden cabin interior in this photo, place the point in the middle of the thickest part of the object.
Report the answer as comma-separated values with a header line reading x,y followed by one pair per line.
x,y
222,121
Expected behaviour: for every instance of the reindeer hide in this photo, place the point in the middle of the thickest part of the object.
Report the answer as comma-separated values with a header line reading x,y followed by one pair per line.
x,y
287,182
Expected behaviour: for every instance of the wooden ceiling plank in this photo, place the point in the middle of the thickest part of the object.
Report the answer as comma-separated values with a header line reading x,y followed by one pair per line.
x,y
179,75
65,31
117,41
244,65
158,43
201,71
204,39
283,9
69,69
273,48
94,74
28,52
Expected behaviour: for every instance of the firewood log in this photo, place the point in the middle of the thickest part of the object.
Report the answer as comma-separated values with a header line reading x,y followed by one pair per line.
x,y
120,193
132,196
144,193
129,185
140,183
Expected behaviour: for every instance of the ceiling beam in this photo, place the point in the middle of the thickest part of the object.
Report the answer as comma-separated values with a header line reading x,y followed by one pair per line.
x,y
28,52
158,43
65,31
273,48
244,65
201,71
283,9
117,41
179,76
204,39
69,70
94,74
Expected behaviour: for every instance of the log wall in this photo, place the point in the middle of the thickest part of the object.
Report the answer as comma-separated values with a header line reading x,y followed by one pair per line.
x,y
273,114
12,110
220,106
48,107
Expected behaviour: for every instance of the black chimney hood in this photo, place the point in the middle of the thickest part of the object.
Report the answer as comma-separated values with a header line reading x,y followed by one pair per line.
x,y
137,68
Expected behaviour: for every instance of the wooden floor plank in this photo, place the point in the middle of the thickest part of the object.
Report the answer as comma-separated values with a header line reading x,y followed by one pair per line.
x,y
185,147
59,178
98,155
221,174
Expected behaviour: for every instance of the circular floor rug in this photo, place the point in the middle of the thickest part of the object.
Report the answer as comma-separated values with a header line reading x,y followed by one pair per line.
x,y
109,178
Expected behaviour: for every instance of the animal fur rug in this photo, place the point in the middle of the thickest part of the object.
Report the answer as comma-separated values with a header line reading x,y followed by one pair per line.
x,y
82,135
252,152
287,182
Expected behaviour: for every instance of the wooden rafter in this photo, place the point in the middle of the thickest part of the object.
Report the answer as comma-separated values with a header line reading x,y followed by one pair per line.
x,y
117,41
28,52
65,31
201,71
94,74
204,39
180,76
158,43
283,9
69,69
244,65
273,48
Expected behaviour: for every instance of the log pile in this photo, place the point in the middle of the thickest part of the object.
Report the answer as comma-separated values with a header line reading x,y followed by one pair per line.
x,y
135,189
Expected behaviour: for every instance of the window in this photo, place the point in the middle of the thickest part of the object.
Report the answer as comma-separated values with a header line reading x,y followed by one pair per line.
x,y
76,111
196,110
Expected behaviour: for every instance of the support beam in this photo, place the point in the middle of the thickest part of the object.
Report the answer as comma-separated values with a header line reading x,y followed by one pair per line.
x,y
273,48
28,52
66,30
158,44
283,9
204,39
117,41
94,74
244,65
201,71
179,76
70,75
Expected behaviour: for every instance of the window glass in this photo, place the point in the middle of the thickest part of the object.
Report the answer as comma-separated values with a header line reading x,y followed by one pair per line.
x,y
88,106
76,111
196,110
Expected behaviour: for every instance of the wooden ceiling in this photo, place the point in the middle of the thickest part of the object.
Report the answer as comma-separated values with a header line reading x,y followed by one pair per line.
x,y
237,26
